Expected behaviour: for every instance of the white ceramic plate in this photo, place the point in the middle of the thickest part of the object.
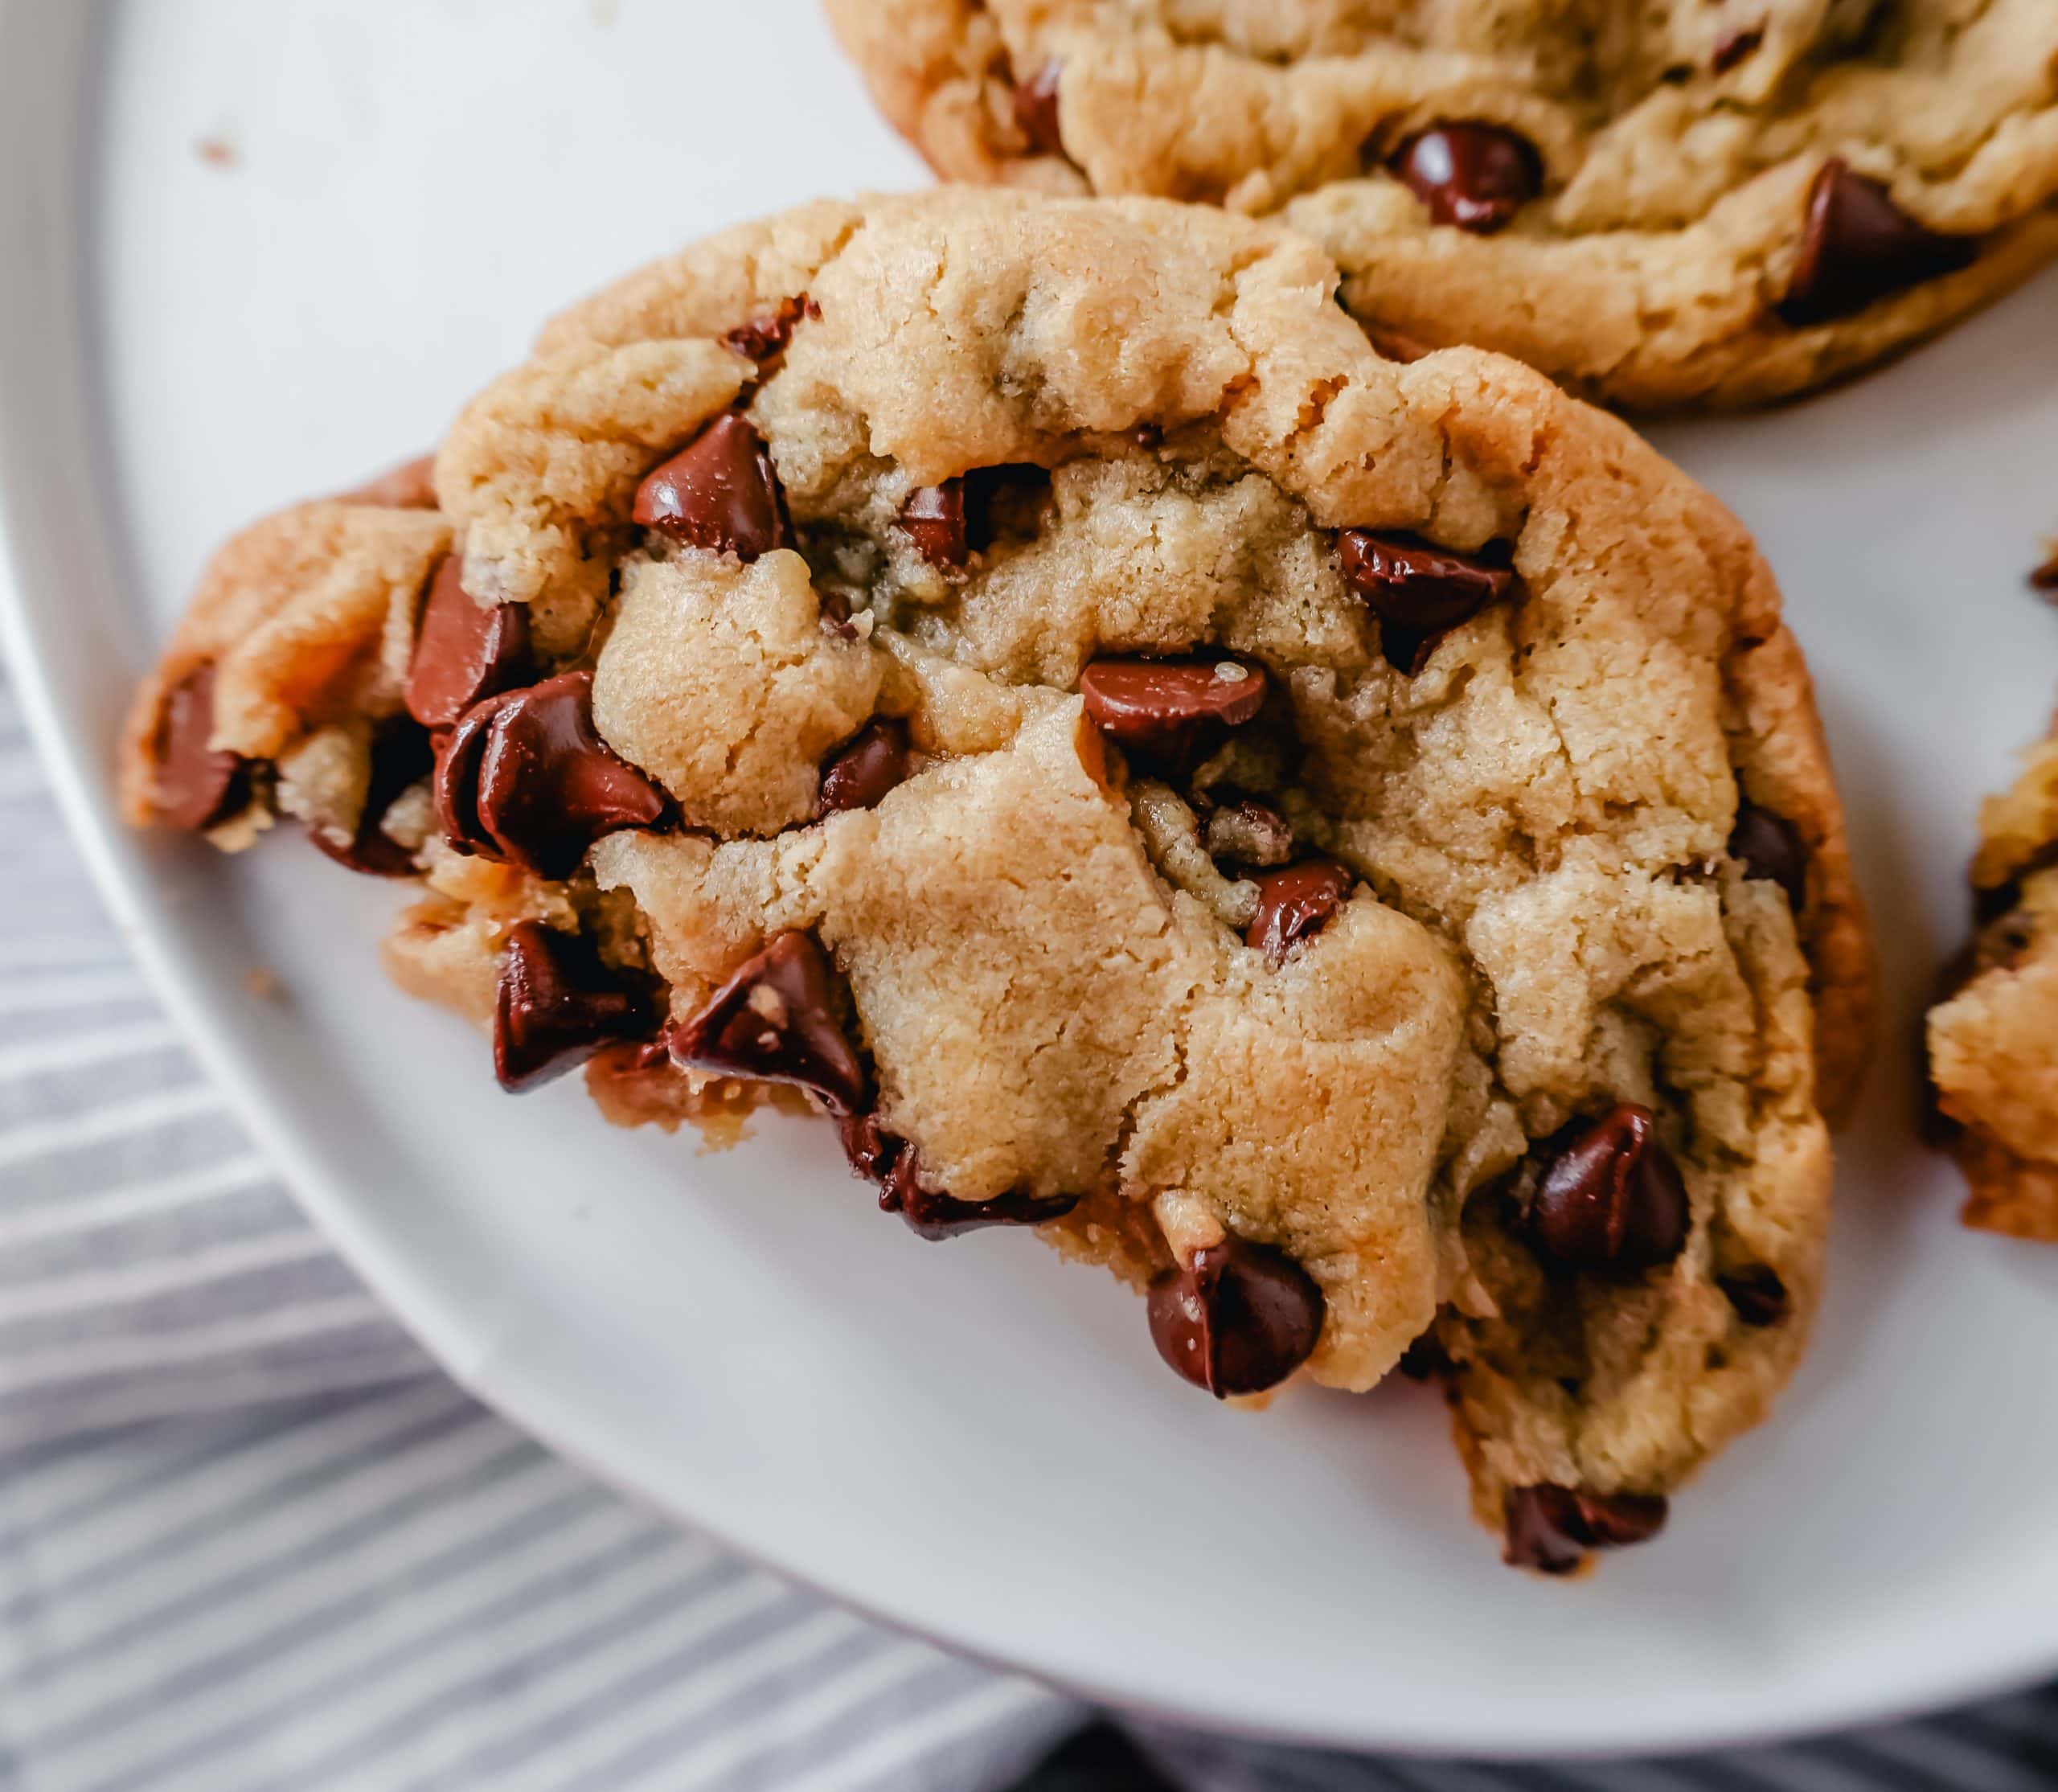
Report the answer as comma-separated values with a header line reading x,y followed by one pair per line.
x,y
973,1440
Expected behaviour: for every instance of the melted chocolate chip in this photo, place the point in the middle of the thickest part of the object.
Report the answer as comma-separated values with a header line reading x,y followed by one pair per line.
x,y
1858,246
1611,1195
1769,846
1419,592
456,788
1163,709
1757,1294
525,777
891,1163
722,494
402,756
1295,904
934,518
1475,176
1732,48
556,1008
464,650
196,787
775,1021
1238,1318
860,775
1551,1528
765,339
1426,1360
1036,111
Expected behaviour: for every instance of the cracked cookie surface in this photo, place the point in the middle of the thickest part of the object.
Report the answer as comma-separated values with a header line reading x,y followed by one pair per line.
x,y
1347,845
1699,203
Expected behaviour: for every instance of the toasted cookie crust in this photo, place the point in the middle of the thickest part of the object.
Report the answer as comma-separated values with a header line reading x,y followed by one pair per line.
x,y
1705,203
1994,1040
1029,675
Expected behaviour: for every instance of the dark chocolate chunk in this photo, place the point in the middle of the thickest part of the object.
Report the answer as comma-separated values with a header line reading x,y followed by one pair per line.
x,y
1163,708
465,651
722,494
196,787
1732,48
1036,111
1757,1294
1858,246
1420,593
765,339
862,772
557,1006
776,1021
1769,846
892,1163
402,754
1610,1195
1473,175
1238,1319
1551,1528
934,518
548,785
1295,904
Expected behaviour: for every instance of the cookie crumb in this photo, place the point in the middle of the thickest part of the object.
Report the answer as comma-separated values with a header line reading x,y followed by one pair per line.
x,y
219,150
262,985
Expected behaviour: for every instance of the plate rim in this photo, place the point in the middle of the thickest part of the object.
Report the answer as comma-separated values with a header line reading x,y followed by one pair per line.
x,y
75,762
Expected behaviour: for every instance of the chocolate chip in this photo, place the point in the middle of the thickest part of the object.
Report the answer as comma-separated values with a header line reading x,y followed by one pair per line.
x,y
775,1021
456,787
1420,593
1250,832
722,494
1036,111
2045,578
525,777
1473,176
1757,1294
1858,246
891,1163
557,1006
464,650
1610,1195
1238,1318
1426,1360
1769,846
766,339
1551,1528
402,756
934,518
862,774
1732,48
1164,708
197,786
1296,903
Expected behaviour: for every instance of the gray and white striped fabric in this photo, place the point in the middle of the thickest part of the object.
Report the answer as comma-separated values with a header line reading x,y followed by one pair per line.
x,y
250,1539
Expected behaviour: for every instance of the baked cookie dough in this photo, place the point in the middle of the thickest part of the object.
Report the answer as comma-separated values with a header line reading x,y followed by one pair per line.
x,y
1695,203
1994,1040
1346,845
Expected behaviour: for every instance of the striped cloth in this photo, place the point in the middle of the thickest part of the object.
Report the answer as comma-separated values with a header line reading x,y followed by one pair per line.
x,y
249,1538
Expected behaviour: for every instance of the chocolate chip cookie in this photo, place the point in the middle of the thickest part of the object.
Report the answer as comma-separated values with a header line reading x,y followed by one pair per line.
x,y
1346,845
1993,1039
1695,203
